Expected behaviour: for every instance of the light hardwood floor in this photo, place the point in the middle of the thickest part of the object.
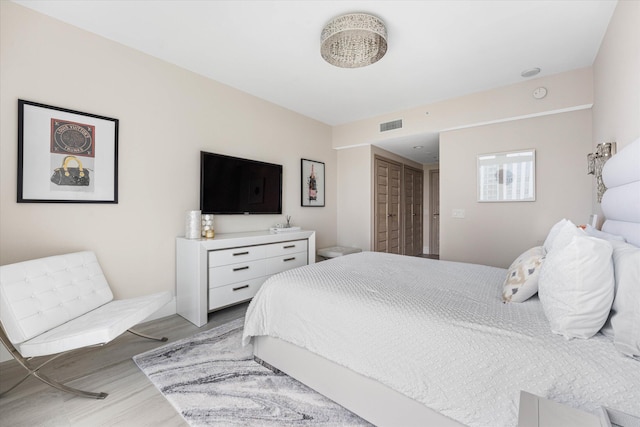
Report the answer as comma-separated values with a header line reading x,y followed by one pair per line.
x,y
132,400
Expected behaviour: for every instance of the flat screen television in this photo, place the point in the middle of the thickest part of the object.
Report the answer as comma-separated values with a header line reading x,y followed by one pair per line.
x,y
231,185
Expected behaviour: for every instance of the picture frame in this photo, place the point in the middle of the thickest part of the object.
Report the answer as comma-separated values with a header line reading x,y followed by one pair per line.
x,y
507,176
66,156
312,183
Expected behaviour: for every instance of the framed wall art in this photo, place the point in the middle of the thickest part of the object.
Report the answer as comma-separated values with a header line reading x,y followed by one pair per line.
x,y
507,177
313,193
66,156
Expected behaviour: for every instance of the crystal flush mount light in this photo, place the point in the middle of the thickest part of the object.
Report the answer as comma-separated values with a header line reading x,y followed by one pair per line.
x,y
353,40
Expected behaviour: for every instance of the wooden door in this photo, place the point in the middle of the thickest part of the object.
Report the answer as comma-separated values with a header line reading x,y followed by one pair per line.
x,y
434,206
413,211
387,204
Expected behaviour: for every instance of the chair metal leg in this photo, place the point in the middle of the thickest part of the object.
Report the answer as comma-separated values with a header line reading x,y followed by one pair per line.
x,y
68,389
36,371
25,364
140,334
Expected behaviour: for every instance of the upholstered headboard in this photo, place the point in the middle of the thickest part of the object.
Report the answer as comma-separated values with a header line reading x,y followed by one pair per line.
x,y
621,201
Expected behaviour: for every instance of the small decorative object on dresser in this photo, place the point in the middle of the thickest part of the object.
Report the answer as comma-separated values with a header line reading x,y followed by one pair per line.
x,y
277,229
207,226
192,224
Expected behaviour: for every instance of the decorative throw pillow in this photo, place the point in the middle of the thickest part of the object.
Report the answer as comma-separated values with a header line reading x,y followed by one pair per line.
x,y
522,276
624,321
576,286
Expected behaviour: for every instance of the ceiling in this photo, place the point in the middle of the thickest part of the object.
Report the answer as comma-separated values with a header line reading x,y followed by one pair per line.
x,y
436,49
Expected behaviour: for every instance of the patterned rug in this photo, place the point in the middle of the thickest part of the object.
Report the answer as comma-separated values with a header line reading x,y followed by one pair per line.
x,y
212,380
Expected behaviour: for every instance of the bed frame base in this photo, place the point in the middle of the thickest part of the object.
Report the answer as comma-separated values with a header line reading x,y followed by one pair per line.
x,y
369,399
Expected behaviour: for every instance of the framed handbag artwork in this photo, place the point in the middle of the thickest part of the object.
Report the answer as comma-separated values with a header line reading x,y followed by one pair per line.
x,y
66,156
312,183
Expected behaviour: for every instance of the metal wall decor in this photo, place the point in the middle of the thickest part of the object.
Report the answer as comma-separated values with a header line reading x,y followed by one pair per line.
x,y
66,156
353,40
595,163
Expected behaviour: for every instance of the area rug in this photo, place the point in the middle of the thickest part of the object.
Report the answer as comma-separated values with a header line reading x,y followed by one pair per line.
x,y
212,380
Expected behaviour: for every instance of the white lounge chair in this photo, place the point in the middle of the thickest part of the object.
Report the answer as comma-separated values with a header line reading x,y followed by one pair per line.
x,y
54,305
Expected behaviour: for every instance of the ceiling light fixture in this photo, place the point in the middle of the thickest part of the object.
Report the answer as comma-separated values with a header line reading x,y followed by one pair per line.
x,y
530,72
353,40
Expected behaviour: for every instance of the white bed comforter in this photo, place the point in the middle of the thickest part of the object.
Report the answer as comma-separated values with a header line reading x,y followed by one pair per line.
x,y
438,332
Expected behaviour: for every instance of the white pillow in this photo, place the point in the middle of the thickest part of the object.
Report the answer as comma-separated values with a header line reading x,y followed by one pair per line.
x,y
521,282
560,234
553,233
576,286
624,322
594,232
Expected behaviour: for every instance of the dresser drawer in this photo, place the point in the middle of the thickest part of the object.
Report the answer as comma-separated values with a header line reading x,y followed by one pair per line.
x,y
286,262
231,294
233,273
232,256
284,248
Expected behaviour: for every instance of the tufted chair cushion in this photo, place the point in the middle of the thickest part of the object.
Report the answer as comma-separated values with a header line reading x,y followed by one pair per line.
x,y
39,295
96,327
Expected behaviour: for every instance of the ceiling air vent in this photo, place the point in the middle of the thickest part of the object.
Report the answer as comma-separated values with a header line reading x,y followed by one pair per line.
x,y
396,124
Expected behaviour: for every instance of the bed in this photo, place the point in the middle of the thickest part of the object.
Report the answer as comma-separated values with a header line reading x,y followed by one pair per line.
x,y
412,341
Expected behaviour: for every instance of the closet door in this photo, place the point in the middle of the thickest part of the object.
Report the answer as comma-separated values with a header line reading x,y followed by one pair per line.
x,y
387,204
413,211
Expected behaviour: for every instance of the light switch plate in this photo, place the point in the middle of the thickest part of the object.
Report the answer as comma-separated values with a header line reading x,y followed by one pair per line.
x,y
457,213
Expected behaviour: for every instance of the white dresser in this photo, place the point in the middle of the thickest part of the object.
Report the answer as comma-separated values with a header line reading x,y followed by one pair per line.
x,y
215,273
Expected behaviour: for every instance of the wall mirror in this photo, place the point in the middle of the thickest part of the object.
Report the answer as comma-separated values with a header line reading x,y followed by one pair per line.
x,y
507,177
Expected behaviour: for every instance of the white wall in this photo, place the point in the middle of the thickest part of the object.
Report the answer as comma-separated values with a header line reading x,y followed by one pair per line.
x,y
496,233
167,115
356,193
567,90
355,197
428,209
571,91
616,70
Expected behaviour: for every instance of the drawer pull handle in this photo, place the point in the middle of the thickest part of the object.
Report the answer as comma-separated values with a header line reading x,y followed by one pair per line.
x,y
289,259
241,253
240,287
288,246
246,267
